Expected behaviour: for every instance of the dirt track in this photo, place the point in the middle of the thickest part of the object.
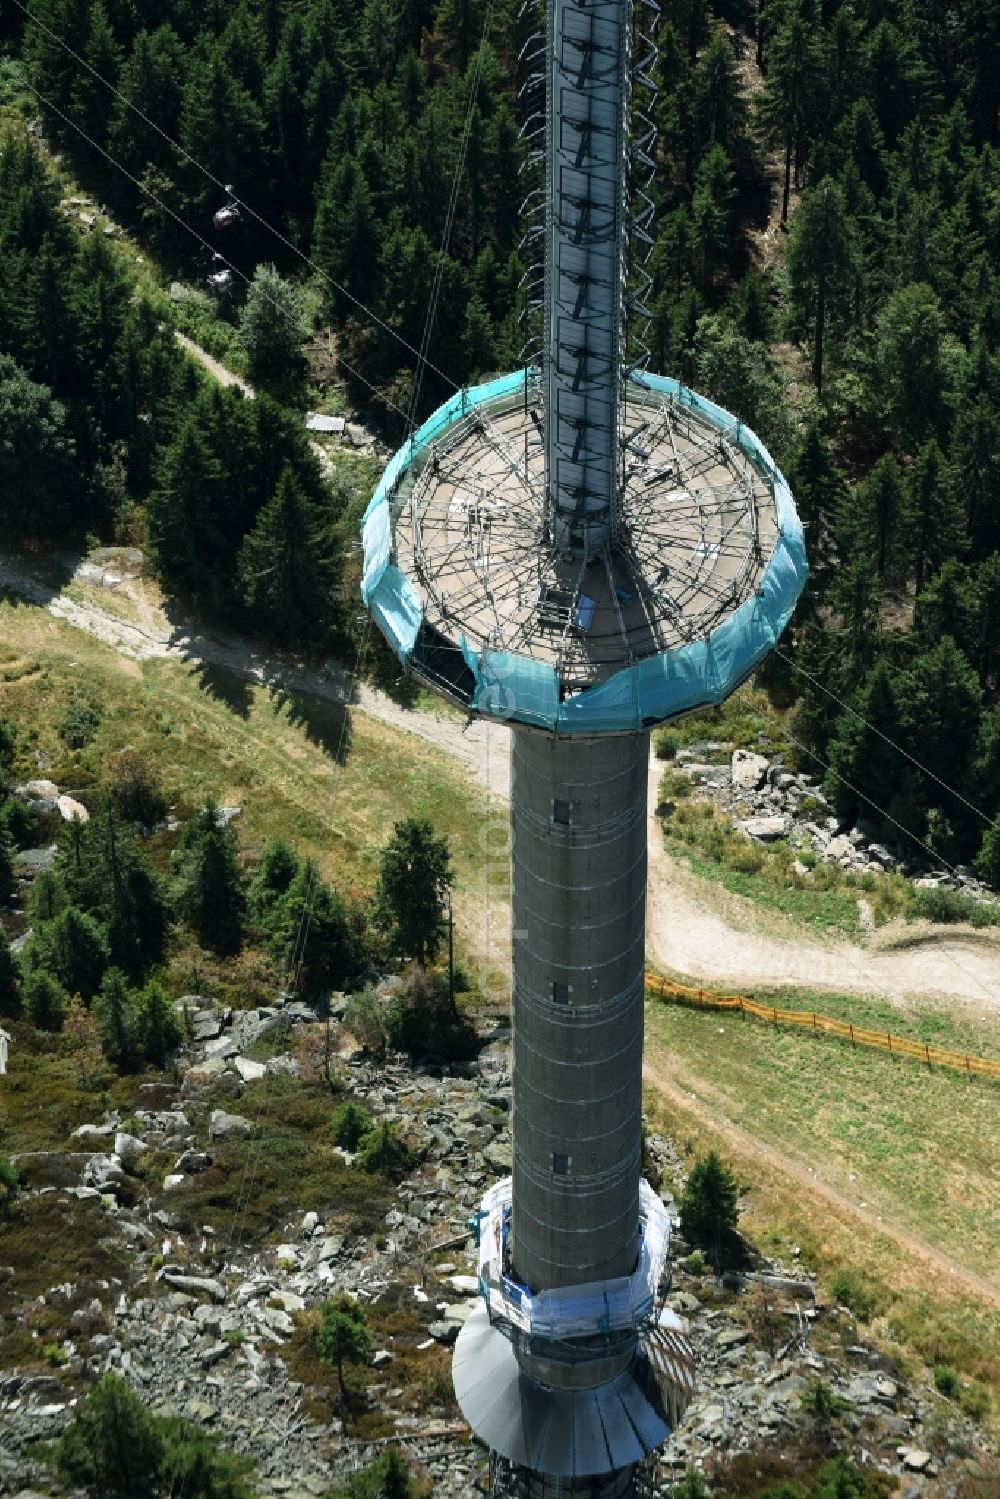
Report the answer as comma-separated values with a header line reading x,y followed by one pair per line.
x,y
685,933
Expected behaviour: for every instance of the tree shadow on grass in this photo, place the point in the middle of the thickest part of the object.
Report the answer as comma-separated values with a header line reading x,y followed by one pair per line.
x,y
325,724
226,687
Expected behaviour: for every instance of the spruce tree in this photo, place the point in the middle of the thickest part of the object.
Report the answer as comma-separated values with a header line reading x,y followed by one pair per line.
x,y
820,260
934,520
288,567
414,879
871,520
210,887
114,1010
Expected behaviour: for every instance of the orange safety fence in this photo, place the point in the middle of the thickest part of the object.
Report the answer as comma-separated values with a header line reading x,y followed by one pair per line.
x,y
920,1051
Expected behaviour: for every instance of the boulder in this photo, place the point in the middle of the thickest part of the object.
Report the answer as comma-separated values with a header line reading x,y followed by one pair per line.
x,y
223,1126
196,1285
248,1070
70,810
35,791
765,829
748,770
839,847
127,1147
914,1459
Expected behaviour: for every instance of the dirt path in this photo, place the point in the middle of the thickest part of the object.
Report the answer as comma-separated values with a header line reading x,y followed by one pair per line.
x,y
688,935
685,933
224,376
670,1081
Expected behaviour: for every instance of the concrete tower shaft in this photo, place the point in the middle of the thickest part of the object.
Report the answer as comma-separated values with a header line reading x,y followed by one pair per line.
x,y
587,89
578,841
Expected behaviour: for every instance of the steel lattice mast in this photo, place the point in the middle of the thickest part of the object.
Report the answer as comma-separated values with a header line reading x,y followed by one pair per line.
x,y
580,552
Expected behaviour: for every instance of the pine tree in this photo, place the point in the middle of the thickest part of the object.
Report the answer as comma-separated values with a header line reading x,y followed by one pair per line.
x,y
44,1000
272,328
72,948
478,344
820,491
157,1028
414,878
820,262
36,455
871,519
718,102
913,383
789,91
210,887
974,458
317,936
866,771
709,1206
342,1337
114,1010
185,543
288,566
92,100
712,210
934,519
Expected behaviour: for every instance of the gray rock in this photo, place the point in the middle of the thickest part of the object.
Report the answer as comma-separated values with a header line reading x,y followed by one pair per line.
x,y
748,770
39,790
765,829
221,1046
249,1070
914,1459
840,847
732,1337
127,1147
37,860
195,1284
223,1126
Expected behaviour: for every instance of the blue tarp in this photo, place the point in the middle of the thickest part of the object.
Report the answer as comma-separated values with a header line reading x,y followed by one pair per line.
x,y
522,690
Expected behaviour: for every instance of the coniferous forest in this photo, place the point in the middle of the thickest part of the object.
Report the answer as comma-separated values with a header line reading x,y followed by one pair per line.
x,y
825,264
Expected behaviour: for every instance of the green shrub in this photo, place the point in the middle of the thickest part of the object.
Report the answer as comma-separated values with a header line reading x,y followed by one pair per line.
x,y
667,743
349,1125
822,1403
423,1021
691,1486
851,1291
193,1466
384,1152
949,906
364,1017
81,721
946,1381
342,1336
44,1001
975,1401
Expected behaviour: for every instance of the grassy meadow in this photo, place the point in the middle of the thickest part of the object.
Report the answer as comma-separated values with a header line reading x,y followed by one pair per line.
x,y
913,1148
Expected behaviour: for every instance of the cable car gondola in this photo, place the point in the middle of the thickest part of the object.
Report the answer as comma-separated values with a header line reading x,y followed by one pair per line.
x,y
228,215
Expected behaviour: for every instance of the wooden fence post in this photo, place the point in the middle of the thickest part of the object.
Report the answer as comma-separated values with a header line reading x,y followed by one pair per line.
x,y
927,1054
851,1023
